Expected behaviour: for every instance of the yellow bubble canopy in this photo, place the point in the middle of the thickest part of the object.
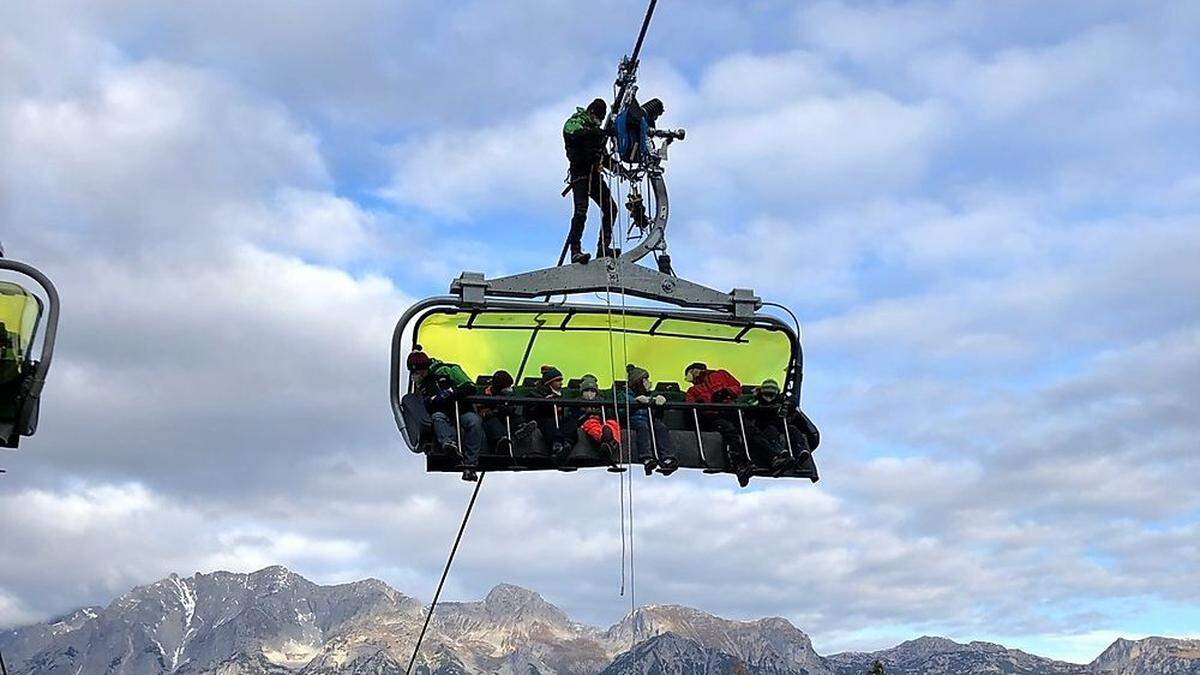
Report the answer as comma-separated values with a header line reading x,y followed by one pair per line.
x,y
19,314
602,343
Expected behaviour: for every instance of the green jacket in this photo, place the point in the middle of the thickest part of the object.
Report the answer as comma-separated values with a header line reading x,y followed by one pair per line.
x,y
583,139
445,383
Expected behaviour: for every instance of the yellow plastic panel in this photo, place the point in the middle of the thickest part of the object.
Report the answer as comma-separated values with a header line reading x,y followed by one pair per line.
x,y
19,310
602,345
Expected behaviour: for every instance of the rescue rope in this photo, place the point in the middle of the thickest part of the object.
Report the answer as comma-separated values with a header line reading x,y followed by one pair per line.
x,y
612,372
625,355
445,572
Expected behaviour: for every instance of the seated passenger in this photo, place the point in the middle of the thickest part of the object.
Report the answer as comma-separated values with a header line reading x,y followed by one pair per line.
x,y
558,429
499,418
718,386
442,386
638,390
594,424
765,423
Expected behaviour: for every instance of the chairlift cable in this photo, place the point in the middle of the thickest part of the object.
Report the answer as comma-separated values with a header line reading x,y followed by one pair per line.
x,y
445,572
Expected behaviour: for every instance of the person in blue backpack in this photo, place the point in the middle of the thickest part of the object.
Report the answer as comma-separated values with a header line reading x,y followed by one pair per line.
x,y
584,139
633,128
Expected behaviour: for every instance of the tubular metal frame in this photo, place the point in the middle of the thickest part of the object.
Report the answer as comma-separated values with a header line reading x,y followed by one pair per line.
x,y
417,312
28,413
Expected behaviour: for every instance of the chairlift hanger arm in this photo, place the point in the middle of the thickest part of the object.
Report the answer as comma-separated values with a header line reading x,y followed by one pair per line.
x,y
473,289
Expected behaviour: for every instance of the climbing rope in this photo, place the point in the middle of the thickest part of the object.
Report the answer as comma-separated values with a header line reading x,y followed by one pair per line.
x,y
445,572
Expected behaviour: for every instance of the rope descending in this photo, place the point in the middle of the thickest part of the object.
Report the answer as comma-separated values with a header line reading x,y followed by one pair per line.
x,y
445,572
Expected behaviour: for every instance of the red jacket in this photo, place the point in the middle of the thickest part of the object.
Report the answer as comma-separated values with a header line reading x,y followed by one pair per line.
x,y
714,386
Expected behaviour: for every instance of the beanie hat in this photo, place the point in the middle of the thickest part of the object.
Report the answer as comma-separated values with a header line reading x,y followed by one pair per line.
x,y
550,373
769,385
695,366
598,108
418,360
501,380
634,374
589,383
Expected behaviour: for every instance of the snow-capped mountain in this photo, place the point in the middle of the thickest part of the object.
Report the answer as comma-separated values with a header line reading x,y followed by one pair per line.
x,y
275,622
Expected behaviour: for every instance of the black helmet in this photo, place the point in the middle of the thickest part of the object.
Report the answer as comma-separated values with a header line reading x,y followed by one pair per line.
x,y
653,109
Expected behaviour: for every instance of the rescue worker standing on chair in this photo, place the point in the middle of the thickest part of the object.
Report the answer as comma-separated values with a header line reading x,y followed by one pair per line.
x,y
584,139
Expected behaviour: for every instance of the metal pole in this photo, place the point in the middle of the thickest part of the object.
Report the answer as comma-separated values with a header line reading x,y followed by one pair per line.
x,y
653,440
745,440
787,435
458,429
637,47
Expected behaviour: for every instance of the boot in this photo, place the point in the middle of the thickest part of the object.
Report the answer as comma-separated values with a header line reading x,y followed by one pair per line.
x,y
469,475
668,466
743,475
781,465
649,464
579,257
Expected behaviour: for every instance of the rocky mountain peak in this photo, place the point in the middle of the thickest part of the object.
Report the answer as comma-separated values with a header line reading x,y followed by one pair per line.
x,y
507,597
276,622
1157,655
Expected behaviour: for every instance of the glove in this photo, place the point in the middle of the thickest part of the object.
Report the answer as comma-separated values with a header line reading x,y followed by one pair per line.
x,y
642,399
659,400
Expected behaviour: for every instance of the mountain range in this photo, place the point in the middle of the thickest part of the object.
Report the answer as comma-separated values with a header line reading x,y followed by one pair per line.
x,y
276,622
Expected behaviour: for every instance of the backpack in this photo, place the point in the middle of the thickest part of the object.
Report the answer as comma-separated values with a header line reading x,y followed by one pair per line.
x,y
579,125
632,130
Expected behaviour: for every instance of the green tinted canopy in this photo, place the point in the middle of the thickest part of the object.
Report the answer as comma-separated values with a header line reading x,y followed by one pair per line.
x,y
599,343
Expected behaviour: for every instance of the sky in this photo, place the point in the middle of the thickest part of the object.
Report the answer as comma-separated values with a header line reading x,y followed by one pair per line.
x,y
986,216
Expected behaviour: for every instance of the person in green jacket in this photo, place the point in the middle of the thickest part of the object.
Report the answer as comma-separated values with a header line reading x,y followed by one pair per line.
x,y
585,140
442,386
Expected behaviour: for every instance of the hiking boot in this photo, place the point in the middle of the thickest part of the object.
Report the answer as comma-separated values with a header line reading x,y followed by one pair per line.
x,y
668,466
649,464
616,468
744,473
469,475
580,258
450,447
781,465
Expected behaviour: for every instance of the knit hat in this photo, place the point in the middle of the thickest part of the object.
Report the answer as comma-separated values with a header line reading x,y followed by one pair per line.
x,y
418,360
598,108
589,383
501,380
769,385
634,374
695,366
550,373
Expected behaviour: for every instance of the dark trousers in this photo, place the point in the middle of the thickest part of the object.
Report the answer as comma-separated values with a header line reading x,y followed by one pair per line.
x,y
495,429
644,444
585,185
727,425
768,444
